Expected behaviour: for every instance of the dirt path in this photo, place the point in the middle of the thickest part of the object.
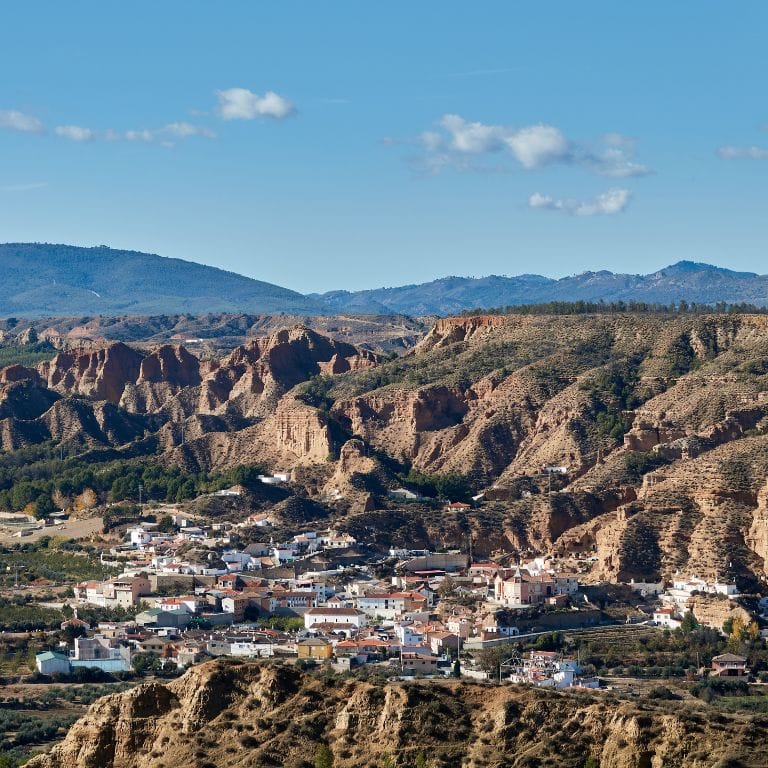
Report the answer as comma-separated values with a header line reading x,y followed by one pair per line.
x,y
72,529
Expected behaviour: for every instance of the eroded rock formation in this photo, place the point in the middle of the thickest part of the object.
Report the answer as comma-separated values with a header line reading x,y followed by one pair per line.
x,y
245,714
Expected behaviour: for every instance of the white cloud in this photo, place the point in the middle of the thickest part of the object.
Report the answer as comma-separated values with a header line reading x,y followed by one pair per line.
x,y
143,135
616,163
472,137
532,147
185,130
611,202
538,145
74,133
431,140
180,130
242,104
14,120
733,153
616,139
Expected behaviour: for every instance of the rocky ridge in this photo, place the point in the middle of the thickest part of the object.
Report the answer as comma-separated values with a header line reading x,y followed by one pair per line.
x,y
252,714
230,409
658,421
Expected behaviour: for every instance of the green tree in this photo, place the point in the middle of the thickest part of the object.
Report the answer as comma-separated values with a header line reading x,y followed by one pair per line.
x,y
165,524
689,623
323,756
44,506
421,760
145,662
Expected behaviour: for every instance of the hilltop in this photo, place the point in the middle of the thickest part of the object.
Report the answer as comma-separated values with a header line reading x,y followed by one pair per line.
x,y
254,714
658,423
47,280
693,282
41,279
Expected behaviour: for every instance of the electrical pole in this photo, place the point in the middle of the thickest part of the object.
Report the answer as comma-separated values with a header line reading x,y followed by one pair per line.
x,y
140,490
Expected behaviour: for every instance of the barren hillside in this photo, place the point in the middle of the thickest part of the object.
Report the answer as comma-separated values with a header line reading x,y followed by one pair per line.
x,y
249,714
657,423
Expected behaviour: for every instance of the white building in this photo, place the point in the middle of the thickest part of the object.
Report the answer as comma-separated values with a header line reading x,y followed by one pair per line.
x,y
330,616
100,653
335,540
139,537
667,617
50,663
283,554
409,636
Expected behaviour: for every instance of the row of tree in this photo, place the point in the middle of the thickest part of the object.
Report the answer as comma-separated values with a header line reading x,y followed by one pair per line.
x,y
52,484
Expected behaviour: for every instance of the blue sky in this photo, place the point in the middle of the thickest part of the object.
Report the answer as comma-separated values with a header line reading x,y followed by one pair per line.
x,y
356,145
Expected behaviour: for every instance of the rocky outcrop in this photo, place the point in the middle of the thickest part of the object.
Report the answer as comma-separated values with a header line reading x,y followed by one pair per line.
x,y
452,330
243,714
98,375
644,436
171,365
714,611
657,426
106,394
302,431
14,373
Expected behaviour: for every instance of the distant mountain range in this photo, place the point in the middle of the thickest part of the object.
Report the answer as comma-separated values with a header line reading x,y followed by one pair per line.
x,y
54,280
700,283
40,280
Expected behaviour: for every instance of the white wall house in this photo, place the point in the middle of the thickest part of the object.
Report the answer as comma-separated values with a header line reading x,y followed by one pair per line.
x,y
50,663
326,615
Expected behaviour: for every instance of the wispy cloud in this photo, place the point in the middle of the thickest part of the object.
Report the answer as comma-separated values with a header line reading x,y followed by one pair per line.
x,y
734,153
166,136
13,120
23,187
233,104
609,203
185,130
454,138
242,104
74,133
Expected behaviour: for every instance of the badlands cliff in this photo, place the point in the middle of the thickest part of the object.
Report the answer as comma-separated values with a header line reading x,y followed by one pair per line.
x,y
657,423
250,714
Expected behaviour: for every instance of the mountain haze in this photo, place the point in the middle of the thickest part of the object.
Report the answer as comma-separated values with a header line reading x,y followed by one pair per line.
x,y
687,280
43,280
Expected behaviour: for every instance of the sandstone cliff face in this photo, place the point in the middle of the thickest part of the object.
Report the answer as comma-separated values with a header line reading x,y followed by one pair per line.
x,y
715,611
100,374
757,538
699,515
230,411
264,370
172,365
450,330
496,398
237,714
